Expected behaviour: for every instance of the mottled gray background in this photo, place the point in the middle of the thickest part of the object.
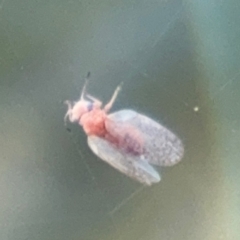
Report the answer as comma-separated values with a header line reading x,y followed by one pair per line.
x,y
173,57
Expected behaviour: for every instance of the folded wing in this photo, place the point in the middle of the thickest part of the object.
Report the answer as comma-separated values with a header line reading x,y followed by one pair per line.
x,y
160,146
132,166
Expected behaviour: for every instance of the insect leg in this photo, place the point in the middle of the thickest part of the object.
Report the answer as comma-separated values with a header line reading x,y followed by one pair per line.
x,y
69,111
84,87
108,106
97,102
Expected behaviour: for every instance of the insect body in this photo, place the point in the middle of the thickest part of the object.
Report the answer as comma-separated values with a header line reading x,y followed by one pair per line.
x,y
127,140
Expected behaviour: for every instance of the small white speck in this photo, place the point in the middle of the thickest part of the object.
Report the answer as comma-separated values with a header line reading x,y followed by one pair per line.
x,y
196,109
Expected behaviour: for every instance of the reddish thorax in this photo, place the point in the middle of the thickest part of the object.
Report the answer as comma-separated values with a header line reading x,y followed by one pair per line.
x,y
93,122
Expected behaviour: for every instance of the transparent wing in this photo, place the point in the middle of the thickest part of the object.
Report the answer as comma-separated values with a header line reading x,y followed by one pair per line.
x,y
161,146
132,166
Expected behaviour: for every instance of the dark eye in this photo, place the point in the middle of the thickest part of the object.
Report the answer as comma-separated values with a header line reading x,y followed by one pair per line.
x,y
90,106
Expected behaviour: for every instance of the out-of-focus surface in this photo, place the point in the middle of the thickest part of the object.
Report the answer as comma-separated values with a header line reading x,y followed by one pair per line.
x,y
179,64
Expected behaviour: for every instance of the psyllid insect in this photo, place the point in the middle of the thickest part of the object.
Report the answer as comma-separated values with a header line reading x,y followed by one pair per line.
x,y
127,140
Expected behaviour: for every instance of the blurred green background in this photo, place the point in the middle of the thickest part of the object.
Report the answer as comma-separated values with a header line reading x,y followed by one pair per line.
x,y
179,61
